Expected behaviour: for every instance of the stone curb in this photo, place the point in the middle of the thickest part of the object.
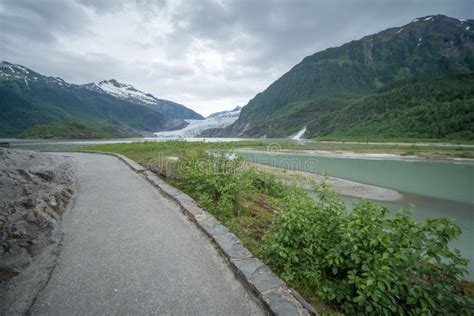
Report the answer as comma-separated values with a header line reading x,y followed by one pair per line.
x,y
271,291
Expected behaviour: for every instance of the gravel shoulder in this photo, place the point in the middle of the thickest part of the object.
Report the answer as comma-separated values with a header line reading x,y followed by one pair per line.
x,y
129,250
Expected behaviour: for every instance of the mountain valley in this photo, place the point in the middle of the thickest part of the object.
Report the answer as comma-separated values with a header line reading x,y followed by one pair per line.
x,y
37,106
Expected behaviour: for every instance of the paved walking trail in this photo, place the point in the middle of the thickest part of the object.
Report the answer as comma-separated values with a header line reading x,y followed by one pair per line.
x,y
128,250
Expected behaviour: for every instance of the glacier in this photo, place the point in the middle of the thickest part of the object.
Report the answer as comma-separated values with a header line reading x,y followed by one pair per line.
x,y
196,127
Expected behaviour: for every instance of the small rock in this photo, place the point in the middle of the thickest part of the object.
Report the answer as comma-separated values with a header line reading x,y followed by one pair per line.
x,y
31,217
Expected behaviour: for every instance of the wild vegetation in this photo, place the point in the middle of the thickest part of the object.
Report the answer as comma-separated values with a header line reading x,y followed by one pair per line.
x,y
359,262
366,261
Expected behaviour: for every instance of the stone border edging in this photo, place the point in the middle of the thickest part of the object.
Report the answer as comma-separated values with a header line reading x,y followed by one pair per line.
x,y
272,292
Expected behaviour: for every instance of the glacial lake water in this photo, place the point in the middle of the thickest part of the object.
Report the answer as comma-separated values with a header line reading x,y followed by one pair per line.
x,y
437,188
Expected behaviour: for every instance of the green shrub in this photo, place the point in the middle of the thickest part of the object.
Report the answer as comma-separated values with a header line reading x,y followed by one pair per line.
x,y
219,182
265,182
366,261
213,178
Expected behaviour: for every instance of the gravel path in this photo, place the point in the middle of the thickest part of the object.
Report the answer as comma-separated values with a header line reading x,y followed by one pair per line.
x,y
128,250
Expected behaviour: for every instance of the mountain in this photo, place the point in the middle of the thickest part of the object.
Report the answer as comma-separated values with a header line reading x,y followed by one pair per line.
x,y
169,109
371,79
29,99
201,128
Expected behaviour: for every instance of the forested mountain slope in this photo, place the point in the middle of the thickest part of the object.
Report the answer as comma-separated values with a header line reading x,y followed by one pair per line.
x,y
357,77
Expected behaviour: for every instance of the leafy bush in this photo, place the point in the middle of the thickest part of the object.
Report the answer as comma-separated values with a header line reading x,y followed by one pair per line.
x,y
213,178
366,261
219,182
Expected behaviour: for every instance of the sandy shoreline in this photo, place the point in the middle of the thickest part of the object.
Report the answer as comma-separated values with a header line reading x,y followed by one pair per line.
x,y
342,186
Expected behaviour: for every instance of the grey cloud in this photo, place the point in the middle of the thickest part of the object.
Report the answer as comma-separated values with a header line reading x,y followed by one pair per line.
x,y
103,6
284,31
75,68
112,6
162,70
41,20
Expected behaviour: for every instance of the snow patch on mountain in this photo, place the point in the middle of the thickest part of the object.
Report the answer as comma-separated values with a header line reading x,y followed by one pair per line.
x,y
170,109
234,113
125,91
7,68
196,127
23,69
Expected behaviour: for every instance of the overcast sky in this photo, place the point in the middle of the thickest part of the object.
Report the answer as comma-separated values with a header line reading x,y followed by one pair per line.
x,y
208,55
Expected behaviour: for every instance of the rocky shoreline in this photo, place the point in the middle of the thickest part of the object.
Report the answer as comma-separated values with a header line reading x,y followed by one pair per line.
x,y
35,190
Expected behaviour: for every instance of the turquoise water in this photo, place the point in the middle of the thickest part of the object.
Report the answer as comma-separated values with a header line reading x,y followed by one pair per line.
x,y
435,188
450,180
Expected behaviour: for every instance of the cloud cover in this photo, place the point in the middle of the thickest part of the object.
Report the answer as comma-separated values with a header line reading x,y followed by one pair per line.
x,y
210,55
